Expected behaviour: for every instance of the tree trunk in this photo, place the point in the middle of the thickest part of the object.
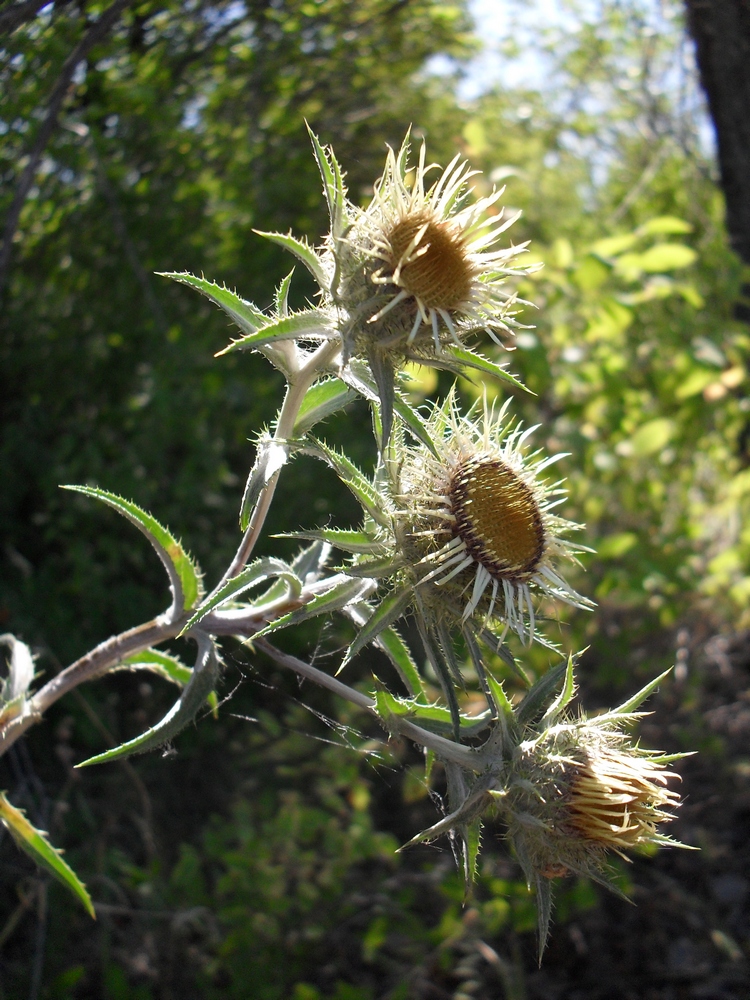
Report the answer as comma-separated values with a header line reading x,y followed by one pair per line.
x,y
721,32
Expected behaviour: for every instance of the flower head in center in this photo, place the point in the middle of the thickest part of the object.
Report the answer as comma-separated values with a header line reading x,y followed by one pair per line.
x,y
476,519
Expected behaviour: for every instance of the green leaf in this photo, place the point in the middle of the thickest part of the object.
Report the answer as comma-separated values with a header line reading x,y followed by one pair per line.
x,y
469,359
159,663
389,610
533,704
612,246
303,251
309,324
184,575
353,479
652,436
344,590
310,562
247,316
321,400
499,697
271,456
384,375
667,257
281,296
664,224
616,546
347,541
377,568
632,704
472,837
333,184
34,843
657,259
166,666
257,572
394,647
201,684
543,912
360,379
387,705
563,699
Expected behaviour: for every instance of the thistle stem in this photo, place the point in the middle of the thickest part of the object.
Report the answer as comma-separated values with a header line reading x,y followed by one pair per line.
x,y
445,749
297,387
97,661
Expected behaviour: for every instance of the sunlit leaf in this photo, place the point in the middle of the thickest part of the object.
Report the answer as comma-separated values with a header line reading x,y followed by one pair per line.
x,y
258,572
202,682
35,843
303,251
310,324
247,316
184,575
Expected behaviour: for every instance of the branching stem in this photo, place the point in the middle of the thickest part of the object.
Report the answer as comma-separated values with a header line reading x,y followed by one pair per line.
x,y
445,749
298,385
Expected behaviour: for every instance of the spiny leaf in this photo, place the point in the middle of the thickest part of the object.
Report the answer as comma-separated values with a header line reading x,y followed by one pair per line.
x,y
34,843
160,663
281,295
303,251
333,184
257,572
543,911
383,372
247,316
184,574
321,400
391,608
343,591
272,455
563,699
394,647
340,538
310,324
469,359
310,562
472,838
201,684
533,704
632,704
358,376
377,568
352,478
169,667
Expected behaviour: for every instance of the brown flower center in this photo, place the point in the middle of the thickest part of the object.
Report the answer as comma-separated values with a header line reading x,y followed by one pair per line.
x,y
498,518
436,270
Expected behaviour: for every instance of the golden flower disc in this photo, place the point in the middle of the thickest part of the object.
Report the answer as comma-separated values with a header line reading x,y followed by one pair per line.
x,y
498,518
436,271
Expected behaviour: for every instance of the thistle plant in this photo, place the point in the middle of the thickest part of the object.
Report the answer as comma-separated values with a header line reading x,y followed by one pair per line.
x,y
461,533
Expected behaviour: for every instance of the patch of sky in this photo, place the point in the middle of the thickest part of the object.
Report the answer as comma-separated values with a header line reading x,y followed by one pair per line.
x,y
524,44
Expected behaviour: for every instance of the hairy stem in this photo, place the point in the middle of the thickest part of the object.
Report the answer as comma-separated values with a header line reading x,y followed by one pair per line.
x,y
445,749
296,389
97,661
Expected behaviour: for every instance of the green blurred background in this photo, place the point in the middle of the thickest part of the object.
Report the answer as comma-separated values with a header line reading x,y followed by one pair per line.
x,y
258,860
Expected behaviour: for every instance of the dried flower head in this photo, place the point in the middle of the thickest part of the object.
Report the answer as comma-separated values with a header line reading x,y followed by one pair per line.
x,y
581,789
476,519
567,790
420,267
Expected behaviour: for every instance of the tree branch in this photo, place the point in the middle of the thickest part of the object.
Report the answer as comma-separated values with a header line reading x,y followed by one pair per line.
x,y
95,34
15,15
